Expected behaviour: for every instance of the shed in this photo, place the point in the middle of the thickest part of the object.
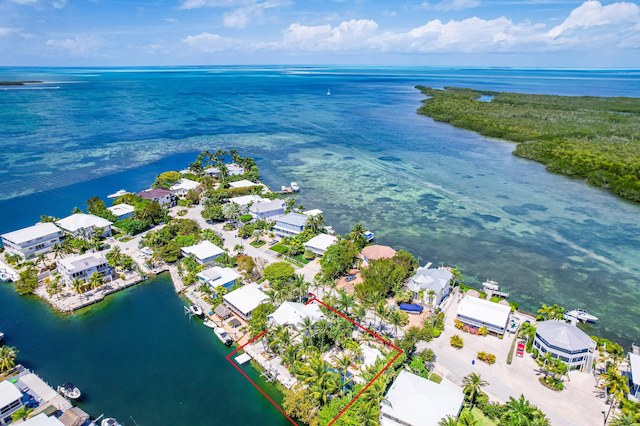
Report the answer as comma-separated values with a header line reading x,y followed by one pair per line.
x,y
73,417
222,311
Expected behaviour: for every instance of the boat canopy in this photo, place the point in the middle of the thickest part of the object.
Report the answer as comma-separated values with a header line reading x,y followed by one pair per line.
x,y
410,308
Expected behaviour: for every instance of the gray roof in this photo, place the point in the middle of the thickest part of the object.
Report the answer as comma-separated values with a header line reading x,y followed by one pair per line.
x,y
222,311
267,207
564,335
152,193
295,219
430,279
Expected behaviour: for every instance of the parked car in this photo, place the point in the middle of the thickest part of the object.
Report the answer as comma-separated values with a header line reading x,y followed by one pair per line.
x,y
273,242
350,278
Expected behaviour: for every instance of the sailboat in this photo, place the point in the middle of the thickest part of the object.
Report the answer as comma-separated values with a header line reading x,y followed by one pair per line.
x,y
328,91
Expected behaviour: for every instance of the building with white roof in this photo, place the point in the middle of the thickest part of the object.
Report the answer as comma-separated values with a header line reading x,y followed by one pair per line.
x,y
479,313
82,225
219,276
232,170
293,314
320,243
82,267
42,420
414,401
32,241
242,184
122,211
290,224
369,355
567,342
269,210
438,280
634,376
10,401
245,200
204,252
244,300
183,186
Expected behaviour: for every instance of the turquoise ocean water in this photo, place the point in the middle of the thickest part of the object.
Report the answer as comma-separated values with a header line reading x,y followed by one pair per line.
x,y
447,195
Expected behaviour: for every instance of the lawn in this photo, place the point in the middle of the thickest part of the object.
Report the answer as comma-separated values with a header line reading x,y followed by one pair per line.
x,y
118,236
482,419
282,249
124,240
258,243
435,378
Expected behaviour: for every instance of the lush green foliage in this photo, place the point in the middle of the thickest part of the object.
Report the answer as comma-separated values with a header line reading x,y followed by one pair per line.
x,y
279,272
588,137
28,281
384,275
338,258
166,179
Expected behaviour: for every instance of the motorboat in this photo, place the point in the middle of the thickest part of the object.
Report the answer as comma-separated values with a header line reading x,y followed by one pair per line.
x,y
209,323
70,391
295,187
370,236
1,335
491,285
582,315
328,91
110,421
196,310
222,335
284,188
117,194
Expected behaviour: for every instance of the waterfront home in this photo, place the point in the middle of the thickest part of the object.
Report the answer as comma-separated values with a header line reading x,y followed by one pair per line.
x,y
83,266
32,241
320,243
290,224
478,313
232,170
11,400
375,252
567,342
204,252
244,300
122,211
219,277
242,184
182,187
368,355
634,376
163,196
270,210
42,420
437,280
414,401
82,225
244,200
292,314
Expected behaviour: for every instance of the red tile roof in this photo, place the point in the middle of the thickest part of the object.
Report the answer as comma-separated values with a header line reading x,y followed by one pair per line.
x,y
376,252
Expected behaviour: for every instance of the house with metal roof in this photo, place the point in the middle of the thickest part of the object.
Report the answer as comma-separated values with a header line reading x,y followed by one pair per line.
x,y
82,267
219,277
293,314
122,211
242,184
244,300
270,210
204,252
290,224
245,200
182,187
83,225
32,241
163,196
634,376
567,342
425,279
320,243
414,401
479,313
10,401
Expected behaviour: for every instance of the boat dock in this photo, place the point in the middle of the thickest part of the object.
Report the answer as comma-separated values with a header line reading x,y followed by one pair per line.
x,y
287,190
7,273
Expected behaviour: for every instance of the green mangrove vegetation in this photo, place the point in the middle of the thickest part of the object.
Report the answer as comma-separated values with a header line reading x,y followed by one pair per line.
x,y
588,137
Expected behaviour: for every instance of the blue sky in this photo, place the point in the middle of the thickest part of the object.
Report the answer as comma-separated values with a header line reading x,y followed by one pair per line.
x,y
531,33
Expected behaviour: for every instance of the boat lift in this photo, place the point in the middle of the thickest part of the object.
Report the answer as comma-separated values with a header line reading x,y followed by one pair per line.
x,y
188,312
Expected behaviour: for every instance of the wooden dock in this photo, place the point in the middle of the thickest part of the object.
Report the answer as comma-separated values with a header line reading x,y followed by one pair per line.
x,y
287,190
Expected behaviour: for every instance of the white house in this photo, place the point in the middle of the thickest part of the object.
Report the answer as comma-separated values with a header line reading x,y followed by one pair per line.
x,y
32,241
477,313
242,184
82,267
320,243
10,401
245,299
122,211
183,186
204,252
567,342
634,376
163,196
414,401
369,355
293,314
232,169
245,200
290,224
82,225
438,280
218,276
270,210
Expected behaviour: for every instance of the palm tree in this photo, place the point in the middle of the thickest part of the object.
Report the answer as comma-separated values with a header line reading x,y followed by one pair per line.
x,y
291,356
300,285
345,301
448,421
76,210
396,319
552,312
430,295
374,395
41,259
21,414
360,313
342,363
467,419
77,284
357,236
7,357
96,280
456,275
473,384
369,415
382,312
615,385
625,419
322,382
520,412
57,250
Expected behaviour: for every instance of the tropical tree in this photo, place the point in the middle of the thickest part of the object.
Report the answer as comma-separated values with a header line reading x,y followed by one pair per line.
x,y
96,280
456,275
21,414
291,356
552,312
448,421
41,259
472,386
398,318
345,302
430,295
382,312
374,395
519,412
625,419
77,284
615,385
342,364
7,357
315,223
57,250
357,236
467,419
238,248
321,381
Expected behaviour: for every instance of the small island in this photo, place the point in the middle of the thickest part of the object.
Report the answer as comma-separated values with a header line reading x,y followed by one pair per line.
x,y
588,137
18,83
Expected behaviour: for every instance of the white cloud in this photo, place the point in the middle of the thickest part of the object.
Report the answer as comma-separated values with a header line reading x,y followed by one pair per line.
x,y
194,4
592,13
236,19
5,31
240,17
80,46
446,5
59,4
170,20
323,37
25,1
208,43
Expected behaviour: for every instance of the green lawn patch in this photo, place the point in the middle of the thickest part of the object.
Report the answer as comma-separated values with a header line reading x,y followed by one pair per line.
x,y
258,243
125,239
120,235
279,248
482,419
435,378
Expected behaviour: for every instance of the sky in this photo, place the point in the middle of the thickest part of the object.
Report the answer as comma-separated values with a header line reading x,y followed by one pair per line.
x,y
514,33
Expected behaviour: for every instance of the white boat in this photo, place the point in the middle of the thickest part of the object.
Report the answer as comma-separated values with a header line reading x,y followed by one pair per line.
x,y
295,187
1,335
210,323
117,194
370,236
284,188
582,315
491,285
70,391
328,91
196,310
109,422
222,335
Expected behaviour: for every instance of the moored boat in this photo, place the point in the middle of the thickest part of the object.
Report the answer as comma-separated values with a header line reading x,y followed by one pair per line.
x,y
110,421
582,315
70,391
117,194
209,323
370,236
196,310
295,187
222,335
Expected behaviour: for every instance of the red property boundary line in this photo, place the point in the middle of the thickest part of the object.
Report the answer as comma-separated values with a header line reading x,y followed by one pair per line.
x,y
354,399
